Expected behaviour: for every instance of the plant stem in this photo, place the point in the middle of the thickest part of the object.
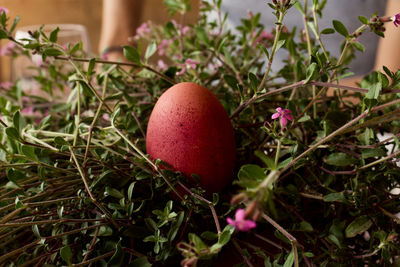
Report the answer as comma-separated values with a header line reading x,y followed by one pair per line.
x,y
149,68
278,151
89,192
274,46
17,251
326,139
291,238
143,156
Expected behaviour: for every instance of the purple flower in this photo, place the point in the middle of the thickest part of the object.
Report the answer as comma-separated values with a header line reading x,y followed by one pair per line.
x,y
284,114
3,9
396,19
240,223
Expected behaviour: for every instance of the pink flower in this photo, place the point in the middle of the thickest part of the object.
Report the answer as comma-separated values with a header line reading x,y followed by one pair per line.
x,y
163,45
7,50
240,223
106,117
185,30
6,85
3,9
142,30
161,65
188,63
396,19
29,111
284,114
264,35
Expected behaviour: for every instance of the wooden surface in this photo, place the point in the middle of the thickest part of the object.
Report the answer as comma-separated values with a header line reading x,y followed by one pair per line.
x,y
85,12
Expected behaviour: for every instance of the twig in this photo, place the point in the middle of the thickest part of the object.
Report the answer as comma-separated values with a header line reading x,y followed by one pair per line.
x,y
131,64
209,203
89,192
291,238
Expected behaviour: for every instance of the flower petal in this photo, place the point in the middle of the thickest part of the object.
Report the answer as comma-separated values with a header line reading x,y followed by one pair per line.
x,y
275,116
289,117
239,215
283,121
231,221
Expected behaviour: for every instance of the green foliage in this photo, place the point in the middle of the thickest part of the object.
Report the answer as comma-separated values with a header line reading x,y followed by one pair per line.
x,y
76,185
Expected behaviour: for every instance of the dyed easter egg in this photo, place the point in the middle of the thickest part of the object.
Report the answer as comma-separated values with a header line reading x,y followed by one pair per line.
x,y
190,130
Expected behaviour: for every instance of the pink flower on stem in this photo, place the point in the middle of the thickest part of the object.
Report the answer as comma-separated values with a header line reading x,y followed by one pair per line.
x,y
163,45
264,35
284,114
185,30
240,223
396,19
142,30
3,9
161,65
188,63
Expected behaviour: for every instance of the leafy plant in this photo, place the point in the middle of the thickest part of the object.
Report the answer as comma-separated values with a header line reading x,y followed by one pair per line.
x,y
77,188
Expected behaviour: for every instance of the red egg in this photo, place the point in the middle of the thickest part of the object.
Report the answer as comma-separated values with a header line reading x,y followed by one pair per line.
x,y
190,130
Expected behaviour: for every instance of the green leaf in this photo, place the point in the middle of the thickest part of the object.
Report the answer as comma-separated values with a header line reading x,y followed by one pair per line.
x,y
3,34
130,190
358,226
35,230
264,49
289,260
253,81
58,140
332,197
151,49
131,54
92,63
279,44
66,254
372,152
29,152
16,20
311,72
359,46
18,121
363,20
140,262
118,257
12,133
340,159
231,81
114,192
226,235
340,28
267,160
54,35
52,52
251,171
328,31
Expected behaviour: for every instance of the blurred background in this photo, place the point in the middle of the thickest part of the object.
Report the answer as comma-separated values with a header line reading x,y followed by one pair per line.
x,y
85,12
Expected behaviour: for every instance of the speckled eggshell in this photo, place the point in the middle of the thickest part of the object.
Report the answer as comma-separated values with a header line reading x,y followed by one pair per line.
x,y
191,131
